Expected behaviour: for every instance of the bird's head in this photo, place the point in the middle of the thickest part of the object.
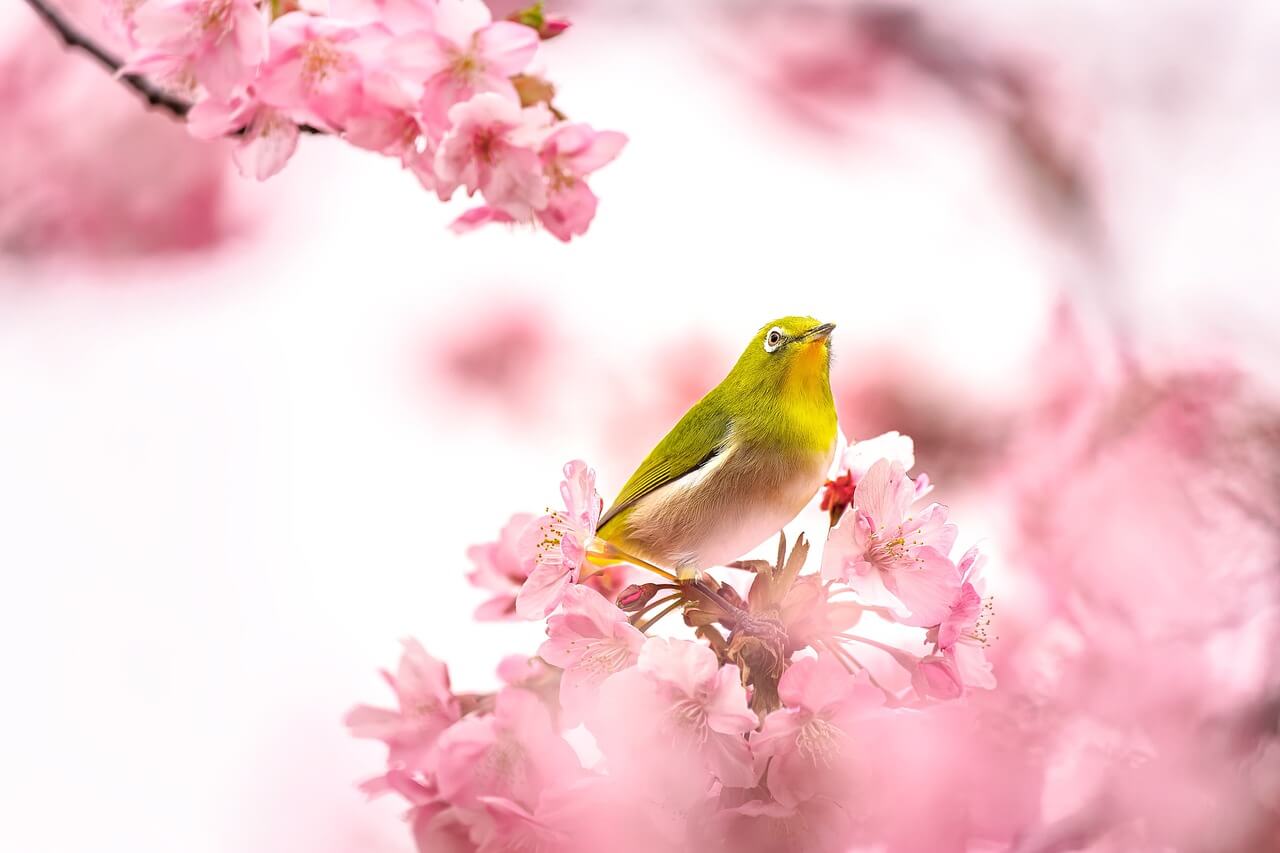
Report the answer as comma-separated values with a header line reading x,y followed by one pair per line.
x,y
791,355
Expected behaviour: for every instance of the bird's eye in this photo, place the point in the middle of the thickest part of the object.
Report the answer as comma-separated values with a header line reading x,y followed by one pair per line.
x,y
773,340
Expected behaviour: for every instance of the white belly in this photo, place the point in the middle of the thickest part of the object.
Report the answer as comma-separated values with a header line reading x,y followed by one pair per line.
x,y
722,511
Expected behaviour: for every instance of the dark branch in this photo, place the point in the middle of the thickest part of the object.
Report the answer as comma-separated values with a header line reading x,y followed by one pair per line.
x,y
154,95
73,38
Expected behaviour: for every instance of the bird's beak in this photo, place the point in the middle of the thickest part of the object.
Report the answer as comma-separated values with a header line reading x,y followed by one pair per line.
x,y
818,333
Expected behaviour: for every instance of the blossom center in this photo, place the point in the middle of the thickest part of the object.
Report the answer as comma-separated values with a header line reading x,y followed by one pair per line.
x,y
319,58
559,177
215,17
553,533
891,553
506,763
466,66
818,742
689,717
977,632
605,658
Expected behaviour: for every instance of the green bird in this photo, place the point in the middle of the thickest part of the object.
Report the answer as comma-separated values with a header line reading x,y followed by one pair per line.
x,y
741,463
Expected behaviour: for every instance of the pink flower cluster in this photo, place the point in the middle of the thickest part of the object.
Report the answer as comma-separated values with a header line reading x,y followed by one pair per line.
x,y
437,84
754,732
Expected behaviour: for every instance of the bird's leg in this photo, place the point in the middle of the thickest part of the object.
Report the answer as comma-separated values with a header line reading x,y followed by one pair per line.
x,y
603,551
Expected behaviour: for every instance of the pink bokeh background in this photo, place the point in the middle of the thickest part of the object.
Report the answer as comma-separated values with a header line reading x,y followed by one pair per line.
x,y
247,432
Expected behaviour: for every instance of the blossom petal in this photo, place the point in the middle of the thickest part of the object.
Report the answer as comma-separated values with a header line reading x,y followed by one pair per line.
x,y
885,493
459,20
507,47
544,589
927,588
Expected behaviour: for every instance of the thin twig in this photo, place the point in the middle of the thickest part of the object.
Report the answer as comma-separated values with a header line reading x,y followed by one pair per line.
x,y
73,38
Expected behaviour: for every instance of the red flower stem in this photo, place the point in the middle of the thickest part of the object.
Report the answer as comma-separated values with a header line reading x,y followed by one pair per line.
x,y
644,629
648,608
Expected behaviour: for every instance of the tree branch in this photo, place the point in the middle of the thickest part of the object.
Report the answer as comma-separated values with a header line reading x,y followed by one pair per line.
x,y
73,38
156,97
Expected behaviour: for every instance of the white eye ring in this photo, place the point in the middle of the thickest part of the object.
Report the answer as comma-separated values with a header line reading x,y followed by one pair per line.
x,y
773,340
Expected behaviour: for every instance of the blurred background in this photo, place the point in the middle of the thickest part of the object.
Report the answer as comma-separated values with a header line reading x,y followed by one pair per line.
x,y
248,431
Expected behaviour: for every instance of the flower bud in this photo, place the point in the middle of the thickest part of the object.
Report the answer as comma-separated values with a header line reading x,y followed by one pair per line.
x,y
837,494
552,27
636,596
536,18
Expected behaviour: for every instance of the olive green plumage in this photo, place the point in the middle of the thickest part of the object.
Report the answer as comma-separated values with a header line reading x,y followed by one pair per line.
x,y
741,463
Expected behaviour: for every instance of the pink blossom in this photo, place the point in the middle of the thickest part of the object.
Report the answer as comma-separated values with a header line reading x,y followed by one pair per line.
x,y
218,42
936,677
678,696
477,217
426,707
440,828
569,154
512,753
590,639
67,188
565,538
466,53
807,745
578,815
818,825
858,458
893,445
315,68
489,148
398,16
961,637
502,568
269,138
385,119
888,555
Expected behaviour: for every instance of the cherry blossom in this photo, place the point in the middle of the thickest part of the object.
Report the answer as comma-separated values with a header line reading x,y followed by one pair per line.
x,y
677,695
807,745
961,637
269,139
502,567
566,536
590,639
817,825
426,707
315,68
465,53
489,149
218,43
438,85
887,554
569,154
513,753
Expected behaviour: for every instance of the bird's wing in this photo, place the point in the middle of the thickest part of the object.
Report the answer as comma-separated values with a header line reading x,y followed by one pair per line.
x,y
698,438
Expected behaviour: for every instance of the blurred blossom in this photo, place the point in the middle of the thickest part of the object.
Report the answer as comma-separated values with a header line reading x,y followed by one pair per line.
x,y
126,182
955,441
679,372
1145,515
507,362
824,65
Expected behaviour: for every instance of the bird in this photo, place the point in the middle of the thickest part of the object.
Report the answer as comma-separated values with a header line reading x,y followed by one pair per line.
x,y
740,464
